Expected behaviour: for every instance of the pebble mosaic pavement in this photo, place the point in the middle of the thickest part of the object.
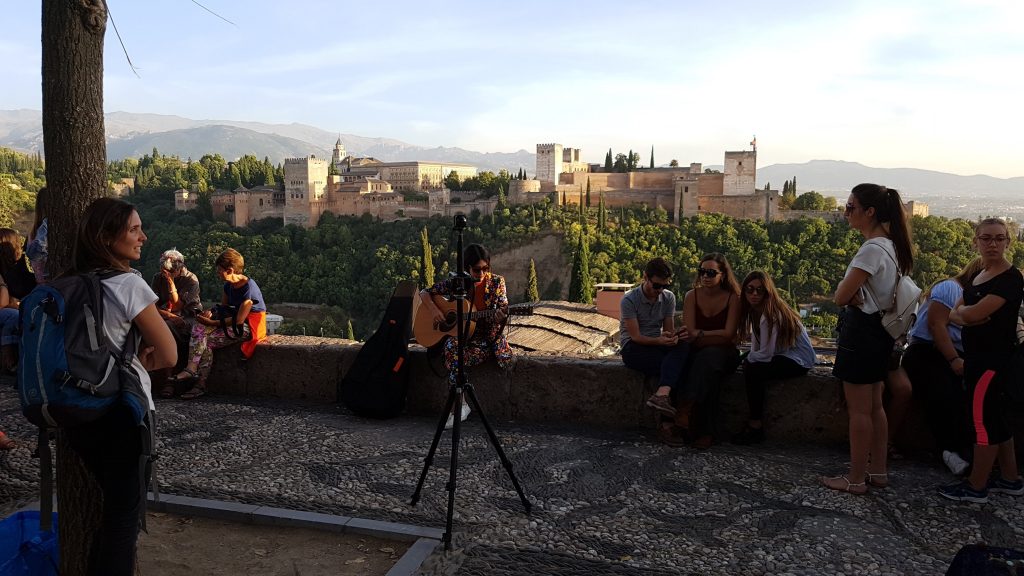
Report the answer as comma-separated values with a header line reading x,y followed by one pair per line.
x,y
615,503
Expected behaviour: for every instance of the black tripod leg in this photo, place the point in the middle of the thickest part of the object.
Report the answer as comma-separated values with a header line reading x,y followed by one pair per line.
x,y
453,470
433,445
471,398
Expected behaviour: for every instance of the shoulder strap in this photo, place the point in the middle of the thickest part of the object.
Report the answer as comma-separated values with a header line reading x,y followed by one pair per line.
x,y
899,275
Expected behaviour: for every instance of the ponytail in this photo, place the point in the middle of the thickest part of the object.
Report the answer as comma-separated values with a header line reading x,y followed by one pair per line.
x,y
890,213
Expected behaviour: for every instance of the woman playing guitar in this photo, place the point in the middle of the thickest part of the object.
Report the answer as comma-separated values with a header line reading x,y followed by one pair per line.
x,y
488,293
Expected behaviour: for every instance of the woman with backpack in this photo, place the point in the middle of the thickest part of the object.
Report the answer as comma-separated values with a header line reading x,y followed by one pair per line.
x,y
109,238
864,347
241,316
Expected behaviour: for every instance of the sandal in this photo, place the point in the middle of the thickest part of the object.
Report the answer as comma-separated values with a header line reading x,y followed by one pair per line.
x,y
197,391
856,488
184,376
6,443
167,390
877,480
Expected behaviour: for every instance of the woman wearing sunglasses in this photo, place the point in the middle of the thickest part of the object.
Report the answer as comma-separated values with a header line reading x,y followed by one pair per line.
x,y
779,347
711,316
864,346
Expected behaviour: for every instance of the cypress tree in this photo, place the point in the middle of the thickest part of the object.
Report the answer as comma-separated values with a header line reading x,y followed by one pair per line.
x,y
563,197
531,294
427,263
652,156
533,214
608,161
588,191
581,200
581,288
602,215
350,332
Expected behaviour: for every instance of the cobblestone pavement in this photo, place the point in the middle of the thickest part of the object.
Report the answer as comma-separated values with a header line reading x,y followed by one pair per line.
x,y
604,502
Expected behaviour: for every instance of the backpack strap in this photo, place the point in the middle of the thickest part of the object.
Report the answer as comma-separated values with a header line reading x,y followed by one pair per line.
x,y
147,466
899,276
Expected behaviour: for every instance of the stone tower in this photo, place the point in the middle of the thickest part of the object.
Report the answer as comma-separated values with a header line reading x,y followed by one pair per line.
x,y
339,154
740,173
305,180
549,162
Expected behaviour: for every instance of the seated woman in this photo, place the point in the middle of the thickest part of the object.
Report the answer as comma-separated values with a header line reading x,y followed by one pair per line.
x,y
934,361
779,347
711,315
178,301
487,341
17,280
240,317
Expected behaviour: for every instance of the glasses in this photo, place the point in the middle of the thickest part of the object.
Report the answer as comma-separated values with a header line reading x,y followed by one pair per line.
x,y
756,290
850,207
481,269
707,272
991,239
660,286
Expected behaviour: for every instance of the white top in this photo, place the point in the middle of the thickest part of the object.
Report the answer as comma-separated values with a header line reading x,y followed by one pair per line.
x,y
764,346
877,258
124,296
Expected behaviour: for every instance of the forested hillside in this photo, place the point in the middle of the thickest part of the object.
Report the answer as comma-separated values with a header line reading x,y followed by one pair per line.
x,y
353,263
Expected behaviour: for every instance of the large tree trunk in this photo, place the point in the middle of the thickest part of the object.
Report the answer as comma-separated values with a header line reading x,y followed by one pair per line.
x,y
76,158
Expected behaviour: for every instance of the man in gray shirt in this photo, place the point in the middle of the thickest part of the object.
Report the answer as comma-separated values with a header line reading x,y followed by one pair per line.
x,y
650,341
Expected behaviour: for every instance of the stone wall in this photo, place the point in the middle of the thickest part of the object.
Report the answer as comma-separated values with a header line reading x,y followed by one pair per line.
x,y
551,389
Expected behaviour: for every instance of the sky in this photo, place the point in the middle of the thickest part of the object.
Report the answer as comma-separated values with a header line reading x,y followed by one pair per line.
x,y
932,84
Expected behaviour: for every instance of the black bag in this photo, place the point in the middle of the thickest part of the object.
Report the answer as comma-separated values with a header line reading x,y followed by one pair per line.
x,y
981,560
376,384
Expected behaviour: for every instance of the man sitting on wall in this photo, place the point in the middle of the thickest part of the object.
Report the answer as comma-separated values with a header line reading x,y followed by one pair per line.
x,y
178,301
650,341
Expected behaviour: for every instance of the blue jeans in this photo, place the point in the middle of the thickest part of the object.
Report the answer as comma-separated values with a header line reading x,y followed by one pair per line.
x,y
8,325
665,362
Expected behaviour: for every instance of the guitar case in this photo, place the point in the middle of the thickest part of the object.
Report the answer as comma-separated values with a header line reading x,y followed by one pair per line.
x,y
376,384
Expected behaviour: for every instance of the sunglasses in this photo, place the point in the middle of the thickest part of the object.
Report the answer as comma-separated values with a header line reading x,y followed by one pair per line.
x,y
707,272
660,286
755,290
480,269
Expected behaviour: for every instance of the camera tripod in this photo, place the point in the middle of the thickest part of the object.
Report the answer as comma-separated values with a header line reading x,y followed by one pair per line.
x,y
458,392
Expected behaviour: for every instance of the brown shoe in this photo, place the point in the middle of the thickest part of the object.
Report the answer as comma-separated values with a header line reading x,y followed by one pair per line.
x,y
703,442
671,436
661,404
685,409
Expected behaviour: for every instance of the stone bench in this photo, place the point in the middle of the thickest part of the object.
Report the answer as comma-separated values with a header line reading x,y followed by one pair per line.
x,y
551,389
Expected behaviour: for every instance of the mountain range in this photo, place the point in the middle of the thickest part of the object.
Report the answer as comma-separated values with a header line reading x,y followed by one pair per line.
x,y
132,135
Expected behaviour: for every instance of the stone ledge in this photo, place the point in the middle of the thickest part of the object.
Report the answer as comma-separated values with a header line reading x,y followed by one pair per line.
x,y
549,389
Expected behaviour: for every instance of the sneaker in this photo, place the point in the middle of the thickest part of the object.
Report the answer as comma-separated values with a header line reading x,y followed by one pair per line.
x,y
963,492
451,421
661,404
1015,487
748,436
954,462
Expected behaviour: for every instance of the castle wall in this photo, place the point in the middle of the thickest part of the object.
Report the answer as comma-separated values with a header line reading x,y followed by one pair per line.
x,y
549,162
305,181
756,206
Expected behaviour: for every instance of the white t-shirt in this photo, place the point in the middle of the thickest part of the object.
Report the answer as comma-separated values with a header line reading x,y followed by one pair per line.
x,y
877,258
124,296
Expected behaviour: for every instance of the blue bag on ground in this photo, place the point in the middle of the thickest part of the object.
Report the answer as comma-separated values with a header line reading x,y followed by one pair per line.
x,y
24,549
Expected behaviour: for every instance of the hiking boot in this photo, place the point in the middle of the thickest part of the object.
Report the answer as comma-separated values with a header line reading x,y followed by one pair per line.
x,y
749,435
963,492
661,404
954,462
1012,487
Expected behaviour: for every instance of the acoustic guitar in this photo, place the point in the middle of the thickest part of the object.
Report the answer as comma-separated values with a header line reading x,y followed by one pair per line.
x,y
428,333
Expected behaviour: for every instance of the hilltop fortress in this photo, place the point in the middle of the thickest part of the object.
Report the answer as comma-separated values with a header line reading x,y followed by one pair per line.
x,y
346,185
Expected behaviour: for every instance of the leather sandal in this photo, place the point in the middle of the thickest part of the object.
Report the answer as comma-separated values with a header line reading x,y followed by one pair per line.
x,y
856,488
167,390
877,480
197,391
184,376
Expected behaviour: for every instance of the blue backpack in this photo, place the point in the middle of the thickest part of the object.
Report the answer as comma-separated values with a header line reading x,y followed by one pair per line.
x,y
71,374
